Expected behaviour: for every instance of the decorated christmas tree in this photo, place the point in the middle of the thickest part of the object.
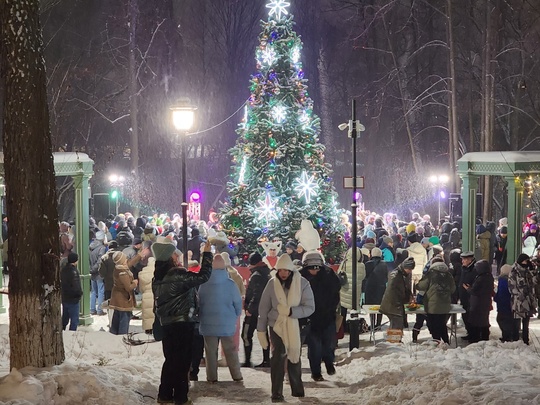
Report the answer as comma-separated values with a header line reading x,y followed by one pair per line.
x,y
279,176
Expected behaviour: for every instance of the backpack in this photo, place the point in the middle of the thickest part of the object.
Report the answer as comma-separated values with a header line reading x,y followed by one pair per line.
x,y
363,326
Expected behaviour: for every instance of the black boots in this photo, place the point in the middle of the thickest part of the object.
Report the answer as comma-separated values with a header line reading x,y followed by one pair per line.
x,y
415,334
266,359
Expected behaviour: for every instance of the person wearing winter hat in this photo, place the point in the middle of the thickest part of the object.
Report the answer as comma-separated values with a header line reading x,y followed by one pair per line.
x,y
290,249
137,255
102,227
122,295
70,282
220,305
480,292
375,284
312,259
411,228
468,275
239,281
98,247
438,285
521,283
418,251
175,292
195,242
260,274
376,252
387,249
500,247
398,294
320,340
286,299
503,298
484,239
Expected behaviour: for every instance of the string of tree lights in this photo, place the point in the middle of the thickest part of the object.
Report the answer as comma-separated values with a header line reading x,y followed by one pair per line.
x,y
279,175
531,193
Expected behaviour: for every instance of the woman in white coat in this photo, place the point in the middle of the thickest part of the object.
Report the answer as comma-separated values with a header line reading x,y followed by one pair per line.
x,y
145,287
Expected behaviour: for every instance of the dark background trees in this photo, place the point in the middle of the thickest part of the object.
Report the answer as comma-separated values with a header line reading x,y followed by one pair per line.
x,y
433,79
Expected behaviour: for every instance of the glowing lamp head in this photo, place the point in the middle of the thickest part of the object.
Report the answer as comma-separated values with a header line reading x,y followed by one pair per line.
x,y
183,115
195,196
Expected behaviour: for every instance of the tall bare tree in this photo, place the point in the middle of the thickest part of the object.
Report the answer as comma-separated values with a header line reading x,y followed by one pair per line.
x,y
35,329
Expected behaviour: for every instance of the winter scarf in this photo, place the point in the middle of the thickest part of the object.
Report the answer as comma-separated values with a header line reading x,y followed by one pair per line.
x,y
287,328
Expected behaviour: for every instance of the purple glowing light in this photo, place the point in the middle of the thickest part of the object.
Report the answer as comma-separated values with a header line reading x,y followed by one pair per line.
x,y
195,196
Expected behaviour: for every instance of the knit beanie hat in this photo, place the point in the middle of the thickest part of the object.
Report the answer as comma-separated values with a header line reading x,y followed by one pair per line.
x,y
163,248
522,257
311,258
409,263
119,258
73,258
411,228
434,240
255,258
376,252
387,239
413,237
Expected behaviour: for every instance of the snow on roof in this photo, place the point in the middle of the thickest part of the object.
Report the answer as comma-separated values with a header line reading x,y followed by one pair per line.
x,y
502,157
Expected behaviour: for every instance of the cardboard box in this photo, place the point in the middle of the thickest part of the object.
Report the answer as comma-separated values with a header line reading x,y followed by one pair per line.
x,y
394,335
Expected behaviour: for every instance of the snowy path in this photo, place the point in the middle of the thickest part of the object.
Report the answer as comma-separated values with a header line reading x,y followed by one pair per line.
x,y
101,369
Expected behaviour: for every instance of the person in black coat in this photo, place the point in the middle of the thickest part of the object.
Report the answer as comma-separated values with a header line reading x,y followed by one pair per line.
x,y
194,244
481,292
468,274
321,339
176,309
260,274
71,292
376,279
455,268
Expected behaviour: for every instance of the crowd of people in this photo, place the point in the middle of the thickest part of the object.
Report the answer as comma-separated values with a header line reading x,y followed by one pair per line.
x,y
296,298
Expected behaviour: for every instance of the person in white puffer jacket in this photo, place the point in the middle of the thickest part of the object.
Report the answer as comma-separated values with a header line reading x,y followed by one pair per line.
x,y
145,288
419,254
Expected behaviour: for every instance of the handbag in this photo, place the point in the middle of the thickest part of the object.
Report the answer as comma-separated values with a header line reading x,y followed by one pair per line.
x,y
305,328
157,330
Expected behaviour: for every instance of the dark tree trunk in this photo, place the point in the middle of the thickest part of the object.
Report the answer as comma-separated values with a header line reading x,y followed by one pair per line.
x,y
35,329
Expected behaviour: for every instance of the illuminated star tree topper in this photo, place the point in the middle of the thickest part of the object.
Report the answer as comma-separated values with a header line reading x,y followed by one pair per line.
x,y
278,8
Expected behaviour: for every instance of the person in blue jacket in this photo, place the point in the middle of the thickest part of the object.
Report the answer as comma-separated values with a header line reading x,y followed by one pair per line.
x,y
503,298
220,305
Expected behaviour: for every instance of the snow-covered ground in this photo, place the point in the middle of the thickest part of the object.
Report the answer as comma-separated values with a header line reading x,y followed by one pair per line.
x,y
101,369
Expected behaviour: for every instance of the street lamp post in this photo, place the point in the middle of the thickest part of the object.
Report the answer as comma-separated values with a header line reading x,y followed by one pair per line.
x,y
439,181
183,115
116,182
355,128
